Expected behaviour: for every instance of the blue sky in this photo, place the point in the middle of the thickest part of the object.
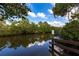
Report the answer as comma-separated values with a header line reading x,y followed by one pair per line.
x,y
43,12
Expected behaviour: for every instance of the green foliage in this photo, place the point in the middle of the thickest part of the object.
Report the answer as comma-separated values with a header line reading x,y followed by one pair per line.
x,y
61,9
33,28
44,27
71,31
9,10
19,10
24,27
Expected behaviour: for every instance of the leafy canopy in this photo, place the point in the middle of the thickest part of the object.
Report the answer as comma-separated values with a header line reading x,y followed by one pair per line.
x,y
61,9
71,30
8,10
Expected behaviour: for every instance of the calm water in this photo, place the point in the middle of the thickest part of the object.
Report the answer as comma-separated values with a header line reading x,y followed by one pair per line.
x,y
25,45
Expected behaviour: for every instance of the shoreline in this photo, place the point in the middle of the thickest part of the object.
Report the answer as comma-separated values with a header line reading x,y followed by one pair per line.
x,y
24,34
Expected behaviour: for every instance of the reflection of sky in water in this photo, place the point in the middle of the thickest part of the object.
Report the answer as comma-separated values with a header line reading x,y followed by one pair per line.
x,y
37,43
33,49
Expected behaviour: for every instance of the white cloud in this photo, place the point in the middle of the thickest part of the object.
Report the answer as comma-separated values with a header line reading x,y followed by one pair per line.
x,y
50,11
37,43
75,9
29,4
39,14
69,14
56,23
32,14
53,4
42,15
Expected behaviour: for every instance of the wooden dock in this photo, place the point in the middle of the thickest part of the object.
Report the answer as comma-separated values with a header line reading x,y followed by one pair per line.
x,y
64,47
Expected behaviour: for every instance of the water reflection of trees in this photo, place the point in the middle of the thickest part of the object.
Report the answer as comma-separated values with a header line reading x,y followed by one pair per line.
x,y
23,40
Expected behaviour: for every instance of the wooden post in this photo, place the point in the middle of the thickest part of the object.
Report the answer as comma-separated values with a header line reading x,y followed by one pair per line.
x,y
52,47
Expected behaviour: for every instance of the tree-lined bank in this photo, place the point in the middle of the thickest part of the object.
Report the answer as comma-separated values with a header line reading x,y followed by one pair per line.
x,y
24,27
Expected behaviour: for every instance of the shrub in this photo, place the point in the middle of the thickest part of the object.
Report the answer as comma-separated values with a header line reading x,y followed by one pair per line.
x,y
71,31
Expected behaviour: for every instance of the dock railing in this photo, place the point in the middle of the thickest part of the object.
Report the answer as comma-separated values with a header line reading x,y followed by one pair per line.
x,y
65,47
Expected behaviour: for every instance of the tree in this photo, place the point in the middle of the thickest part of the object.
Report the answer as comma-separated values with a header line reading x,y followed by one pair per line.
x,y
62,9
44,27
24,25
14,29
33,28
71,31
8,10
3,28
